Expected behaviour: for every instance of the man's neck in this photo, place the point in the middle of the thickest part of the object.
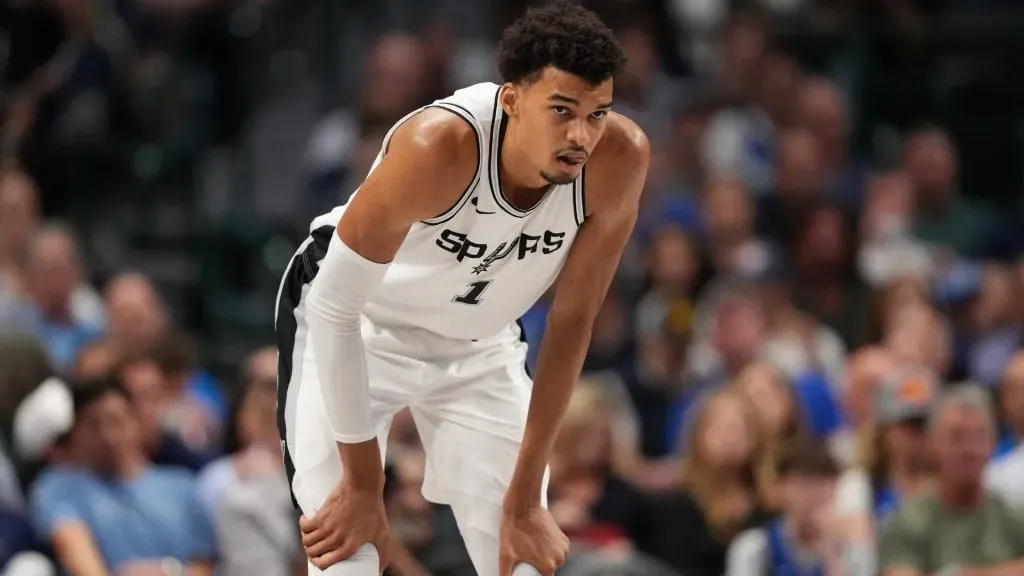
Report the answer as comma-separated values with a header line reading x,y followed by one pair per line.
x,y
962,496
130,468
907,477
56,314
521,187
803,534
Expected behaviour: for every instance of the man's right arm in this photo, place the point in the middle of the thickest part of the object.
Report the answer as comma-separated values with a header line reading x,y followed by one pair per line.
x,y
429,162
57,520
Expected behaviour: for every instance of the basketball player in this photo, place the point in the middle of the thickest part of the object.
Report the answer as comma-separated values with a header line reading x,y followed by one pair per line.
x,y
409,295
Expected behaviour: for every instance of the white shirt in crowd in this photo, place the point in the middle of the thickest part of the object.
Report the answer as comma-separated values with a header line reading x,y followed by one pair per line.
x,y
1005,477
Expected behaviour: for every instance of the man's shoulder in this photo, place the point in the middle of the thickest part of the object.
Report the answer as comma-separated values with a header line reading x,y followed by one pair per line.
x,y
915,514
60,480
620,158
439,144
622,142
440,130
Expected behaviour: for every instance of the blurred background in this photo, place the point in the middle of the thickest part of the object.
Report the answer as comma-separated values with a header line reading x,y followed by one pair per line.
x,y
830,238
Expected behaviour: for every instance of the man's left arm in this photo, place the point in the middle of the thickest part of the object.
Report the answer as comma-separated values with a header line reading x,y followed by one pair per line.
x,y
614,179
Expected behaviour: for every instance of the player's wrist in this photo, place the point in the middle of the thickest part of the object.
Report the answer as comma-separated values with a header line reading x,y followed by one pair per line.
x,y
362,467
519,501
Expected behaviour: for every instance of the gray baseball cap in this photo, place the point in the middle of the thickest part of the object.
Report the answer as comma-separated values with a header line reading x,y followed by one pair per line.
x,y
907,395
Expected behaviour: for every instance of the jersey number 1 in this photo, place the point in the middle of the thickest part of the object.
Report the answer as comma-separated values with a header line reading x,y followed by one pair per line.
x,y
472,296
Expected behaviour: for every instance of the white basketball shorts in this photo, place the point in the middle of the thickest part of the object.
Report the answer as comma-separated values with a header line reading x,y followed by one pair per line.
x,y
469,400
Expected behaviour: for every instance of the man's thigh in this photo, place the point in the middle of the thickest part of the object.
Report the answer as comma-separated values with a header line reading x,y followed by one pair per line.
x,y
310,450
471,423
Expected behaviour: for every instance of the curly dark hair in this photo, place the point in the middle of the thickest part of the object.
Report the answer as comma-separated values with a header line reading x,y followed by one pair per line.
x,y
563,35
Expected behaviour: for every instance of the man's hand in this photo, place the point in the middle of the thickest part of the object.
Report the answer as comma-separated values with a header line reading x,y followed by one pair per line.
x,y
531,536
349,518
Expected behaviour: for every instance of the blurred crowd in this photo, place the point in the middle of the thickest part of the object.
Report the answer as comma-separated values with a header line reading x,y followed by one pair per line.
x,y
810,361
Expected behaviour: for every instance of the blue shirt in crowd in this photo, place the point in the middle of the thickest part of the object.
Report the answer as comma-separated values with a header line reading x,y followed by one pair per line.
x,y
155,515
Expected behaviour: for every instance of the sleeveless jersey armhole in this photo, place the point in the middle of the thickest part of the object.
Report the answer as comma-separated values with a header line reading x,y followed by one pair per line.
x,y
465,115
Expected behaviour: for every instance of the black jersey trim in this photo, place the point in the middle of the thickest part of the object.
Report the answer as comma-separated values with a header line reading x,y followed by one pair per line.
x,y
468,192
580,198
499,123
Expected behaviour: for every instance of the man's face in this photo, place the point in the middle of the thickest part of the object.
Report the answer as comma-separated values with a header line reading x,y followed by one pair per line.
x,y
109,431
963,441
561,119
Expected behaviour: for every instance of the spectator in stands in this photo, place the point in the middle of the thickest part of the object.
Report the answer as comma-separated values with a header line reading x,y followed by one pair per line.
x,y
25,364
958,528
191,415
892,299
139,323
780,413
41,430
888,251
994,332
739,141
19,217
10,485
1011,404
95,360
919,335
799,186
798,343
725,479
894,463
18,543
590,503
648,95
246,492
736,335
942,216
729,223
120,514
666,309
53,273
1005,473
19,223
865,369
138,316
805,539
824,275
146,385
822,110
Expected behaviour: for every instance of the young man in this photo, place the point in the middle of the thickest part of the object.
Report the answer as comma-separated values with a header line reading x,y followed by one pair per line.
x,y
804,540
409,295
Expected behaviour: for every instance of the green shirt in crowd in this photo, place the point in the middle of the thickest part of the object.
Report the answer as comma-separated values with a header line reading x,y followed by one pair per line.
x,y
929,537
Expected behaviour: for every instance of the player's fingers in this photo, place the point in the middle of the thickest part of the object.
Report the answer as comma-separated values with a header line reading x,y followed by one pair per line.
x,y
325,545
311,538
307,524
327,560
330,552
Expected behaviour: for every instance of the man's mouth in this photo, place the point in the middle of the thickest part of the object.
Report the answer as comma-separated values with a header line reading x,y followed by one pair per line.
x,y
572,160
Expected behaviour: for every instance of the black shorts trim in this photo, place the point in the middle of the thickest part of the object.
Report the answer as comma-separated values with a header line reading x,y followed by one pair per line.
x,y
302,270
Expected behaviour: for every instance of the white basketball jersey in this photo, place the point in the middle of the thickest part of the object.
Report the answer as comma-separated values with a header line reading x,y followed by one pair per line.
x,y
472,271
